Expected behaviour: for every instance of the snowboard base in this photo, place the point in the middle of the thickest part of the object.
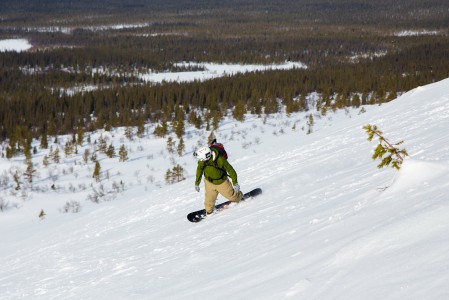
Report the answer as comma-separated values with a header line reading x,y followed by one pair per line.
x,y
197,216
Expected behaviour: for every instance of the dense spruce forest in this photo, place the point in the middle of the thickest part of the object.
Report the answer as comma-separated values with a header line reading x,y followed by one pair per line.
x,y
356,52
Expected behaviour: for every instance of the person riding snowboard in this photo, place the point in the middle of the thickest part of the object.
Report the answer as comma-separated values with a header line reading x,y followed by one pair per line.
x,y
216,170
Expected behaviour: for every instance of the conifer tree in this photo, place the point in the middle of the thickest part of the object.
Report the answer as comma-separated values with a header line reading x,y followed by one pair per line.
x,y
44,140
179,125
93,157
169,176
9,152
395,156
181,147
68,150
178,173
52,128
254,102
161,130
356,100
102,145
391,96
140,126
80,136
56,157
27,149
170,145
110,152
239,111
303,105
123,153
129,133
174,175
30,171
216,120
96,174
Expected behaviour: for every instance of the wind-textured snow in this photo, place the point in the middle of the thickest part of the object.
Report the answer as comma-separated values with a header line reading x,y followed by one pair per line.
x,y
329,224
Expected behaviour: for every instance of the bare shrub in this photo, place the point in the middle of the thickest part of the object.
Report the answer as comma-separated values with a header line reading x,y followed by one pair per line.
x,y
71,207
3,204
100,194
97,194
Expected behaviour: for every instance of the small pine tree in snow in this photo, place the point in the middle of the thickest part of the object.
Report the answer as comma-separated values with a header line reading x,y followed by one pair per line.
x,y
80,136
169,176
56,157
110,152
174,175
68,150
30,171
181,147
161,130
394,155
170,145
93,157
123,153
102,145
129,133
178,173
44,140
97,169
239,111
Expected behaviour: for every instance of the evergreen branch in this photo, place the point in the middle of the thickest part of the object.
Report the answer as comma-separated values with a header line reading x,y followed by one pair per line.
x,y
395,155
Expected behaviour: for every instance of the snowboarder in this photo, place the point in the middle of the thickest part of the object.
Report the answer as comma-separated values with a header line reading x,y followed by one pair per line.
x,y
216,170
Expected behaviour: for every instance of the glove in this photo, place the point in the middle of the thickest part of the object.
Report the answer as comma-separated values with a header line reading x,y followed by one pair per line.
x,y
197,188
236,188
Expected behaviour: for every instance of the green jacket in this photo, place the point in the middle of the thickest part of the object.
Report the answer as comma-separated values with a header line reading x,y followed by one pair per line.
x,y
215,175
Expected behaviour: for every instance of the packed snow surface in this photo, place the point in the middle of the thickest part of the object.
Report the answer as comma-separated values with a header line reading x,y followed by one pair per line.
x,y
17,45
329,224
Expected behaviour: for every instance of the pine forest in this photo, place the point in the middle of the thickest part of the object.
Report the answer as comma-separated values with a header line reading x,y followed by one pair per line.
x,y
356,53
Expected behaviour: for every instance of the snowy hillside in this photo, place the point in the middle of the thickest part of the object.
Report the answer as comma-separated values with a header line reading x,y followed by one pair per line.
x,y
329,225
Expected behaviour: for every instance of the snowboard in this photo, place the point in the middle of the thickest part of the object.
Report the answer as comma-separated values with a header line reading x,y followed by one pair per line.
x,y
198,215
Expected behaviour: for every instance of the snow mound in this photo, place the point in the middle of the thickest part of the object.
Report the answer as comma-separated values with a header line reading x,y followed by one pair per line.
x,y
415,174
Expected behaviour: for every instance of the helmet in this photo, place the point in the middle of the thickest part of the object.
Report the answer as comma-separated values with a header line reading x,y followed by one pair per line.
x,y
203,154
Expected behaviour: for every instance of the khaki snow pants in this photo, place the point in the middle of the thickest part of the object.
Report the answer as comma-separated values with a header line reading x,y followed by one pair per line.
x,y
225,189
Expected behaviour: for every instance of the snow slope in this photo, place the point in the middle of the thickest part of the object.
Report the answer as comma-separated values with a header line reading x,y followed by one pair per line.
x,y
325,227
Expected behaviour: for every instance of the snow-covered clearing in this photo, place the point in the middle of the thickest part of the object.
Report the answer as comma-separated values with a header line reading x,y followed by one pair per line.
x,y
17,45
324,228
214,70
416,33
